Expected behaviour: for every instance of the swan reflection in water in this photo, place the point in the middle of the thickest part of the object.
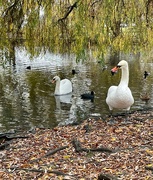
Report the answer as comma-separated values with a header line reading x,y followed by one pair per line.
x,y
64,112
68,107
63,99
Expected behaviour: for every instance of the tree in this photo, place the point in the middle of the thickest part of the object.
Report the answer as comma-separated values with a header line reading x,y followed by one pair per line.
x,y
77,25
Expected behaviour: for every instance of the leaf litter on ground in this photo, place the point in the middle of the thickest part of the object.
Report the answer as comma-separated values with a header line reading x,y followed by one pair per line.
x,y
50,153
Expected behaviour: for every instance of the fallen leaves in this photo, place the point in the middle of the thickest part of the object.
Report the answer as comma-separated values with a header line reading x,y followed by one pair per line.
x,y
50,153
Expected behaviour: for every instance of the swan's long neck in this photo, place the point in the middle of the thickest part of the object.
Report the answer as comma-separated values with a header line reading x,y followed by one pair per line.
x,y
125,77
57,88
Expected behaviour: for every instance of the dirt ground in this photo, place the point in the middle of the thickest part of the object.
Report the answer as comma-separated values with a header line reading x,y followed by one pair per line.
x,y
116,147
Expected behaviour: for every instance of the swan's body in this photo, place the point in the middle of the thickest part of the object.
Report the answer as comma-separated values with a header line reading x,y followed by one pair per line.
x,y
63,86
120,96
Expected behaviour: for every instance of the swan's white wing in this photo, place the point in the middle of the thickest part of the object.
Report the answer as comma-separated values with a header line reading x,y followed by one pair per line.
x,y
65,86
111,97
120,98
111,89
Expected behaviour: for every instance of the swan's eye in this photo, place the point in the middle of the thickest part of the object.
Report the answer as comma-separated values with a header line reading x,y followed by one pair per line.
x,y
54,79
118,66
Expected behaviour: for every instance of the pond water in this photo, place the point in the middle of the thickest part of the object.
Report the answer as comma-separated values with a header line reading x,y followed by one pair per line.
x,y
27,95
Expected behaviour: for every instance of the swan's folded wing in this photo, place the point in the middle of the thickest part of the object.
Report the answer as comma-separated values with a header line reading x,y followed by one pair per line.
x,y
111,89
65,86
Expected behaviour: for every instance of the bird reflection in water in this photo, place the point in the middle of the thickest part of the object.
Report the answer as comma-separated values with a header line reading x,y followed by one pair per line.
x,y
65,109
63,99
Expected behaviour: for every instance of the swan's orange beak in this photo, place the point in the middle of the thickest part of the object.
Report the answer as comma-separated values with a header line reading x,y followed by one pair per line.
x,y
114,70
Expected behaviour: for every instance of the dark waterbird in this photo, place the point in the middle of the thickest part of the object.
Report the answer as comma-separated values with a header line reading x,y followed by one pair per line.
x,y
146,74
75,71
88,95
28,67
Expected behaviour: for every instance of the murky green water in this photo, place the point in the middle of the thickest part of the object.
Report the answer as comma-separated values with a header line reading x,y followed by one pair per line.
x,y
27,98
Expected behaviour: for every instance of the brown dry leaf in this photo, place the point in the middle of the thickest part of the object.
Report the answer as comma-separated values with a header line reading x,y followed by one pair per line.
x,y
132,143
149,151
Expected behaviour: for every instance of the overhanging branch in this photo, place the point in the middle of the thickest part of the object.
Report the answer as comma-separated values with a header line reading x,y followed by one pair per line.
x,y
69,11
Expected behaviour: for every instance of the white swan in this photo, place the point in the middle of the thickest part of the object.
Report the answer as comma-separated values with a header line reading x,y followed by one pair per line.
x,y
120,96
63,86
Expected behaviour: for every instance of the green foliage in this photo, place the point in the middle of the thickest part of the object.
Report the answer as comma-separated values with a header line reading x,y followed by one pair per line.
x,y
77,25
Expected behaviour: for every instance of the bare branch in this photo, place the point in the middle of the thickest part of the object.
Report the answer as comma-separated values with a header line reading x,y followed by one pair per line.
x,y
69,11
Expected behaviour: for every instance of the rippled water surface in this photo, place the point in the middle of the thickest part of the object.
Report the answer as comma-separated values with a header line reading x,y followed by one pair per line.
x,y
27,95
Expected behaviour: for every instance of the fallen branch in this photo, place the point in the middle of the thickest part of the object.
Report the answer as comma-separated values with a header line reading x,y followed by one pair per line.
x,y
4,145
59,173
77,145
8,137
78,148
5,140
87,128
149,168
55,150
102,149
106,177
50,153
